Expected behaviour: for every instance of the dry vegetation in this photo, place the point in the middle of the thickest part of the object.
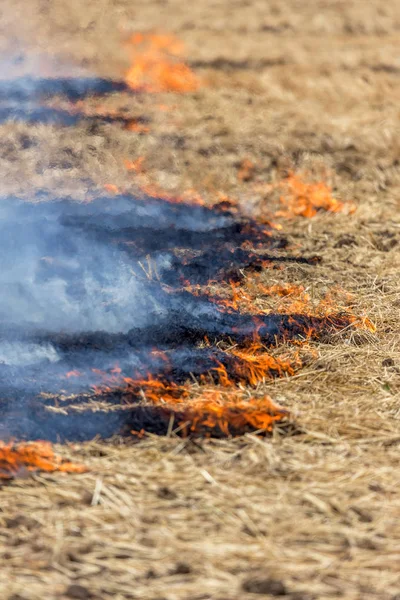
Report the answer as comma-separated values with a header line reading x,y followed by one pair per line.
x,y
311,87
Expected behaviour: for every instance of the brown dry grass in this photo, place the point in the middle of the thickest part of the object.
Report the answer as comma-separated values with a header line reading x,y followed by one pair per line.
x,y
311,86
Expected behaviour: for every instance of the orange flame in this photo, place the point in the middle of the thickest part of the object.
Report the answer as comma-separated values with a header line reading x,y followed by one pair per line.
x,y
255,366
306,199
112,188
206,409
157,391
252,297
136,166
231,413
137,127
189,196
74,373
15,459
156,67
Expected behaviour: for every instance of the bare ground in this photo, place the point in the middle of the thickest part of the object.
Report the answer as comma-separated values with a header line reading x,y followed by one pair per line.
x,y
306,86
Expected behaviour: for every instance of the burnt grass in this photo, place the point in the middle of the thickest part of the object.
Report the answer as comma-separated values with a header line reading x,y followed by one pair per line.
x,y
177,321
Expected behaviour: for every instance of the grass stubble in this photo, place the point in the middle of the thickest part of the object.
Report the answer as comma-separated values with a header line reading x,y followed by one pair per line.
x,y
314,515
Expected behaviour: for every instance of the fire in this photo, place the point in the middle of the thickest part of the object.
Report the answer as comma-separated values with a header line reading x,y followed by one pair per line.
x,y
156,391
15,459
156,66
189,196
136,166
215,400
254,365
137,127
306,199
224,408
231,413
112,188
73,373
248,295
200,409
252,297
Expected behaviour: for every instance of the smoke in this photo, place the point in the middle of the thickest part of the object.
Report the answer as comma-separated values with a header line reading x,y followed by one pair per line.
x,y
87,286
19,354
69,267
88,290
24,98
57,277
28,80
83,288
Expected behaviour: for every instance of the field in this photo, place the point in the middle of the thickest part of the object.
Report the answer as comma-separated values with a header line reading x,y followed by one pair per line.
x,y
304,87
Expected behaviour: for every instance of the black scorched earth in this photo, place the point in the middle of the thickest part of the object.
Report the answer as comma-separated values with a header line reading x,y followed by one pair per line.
x,y
81,318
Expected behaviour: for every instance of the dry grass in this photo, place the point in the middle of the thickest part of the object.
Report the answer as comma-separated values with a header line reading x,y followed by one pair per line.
x,y
306,86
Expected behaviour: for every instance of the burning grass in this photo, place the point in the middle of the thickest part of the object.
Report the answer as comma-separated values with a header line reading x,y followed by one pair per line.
x,y
203,410
253,297
255,364
228,413
216,403
185,240
298,198
156,66
189,332
17,459
306,199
